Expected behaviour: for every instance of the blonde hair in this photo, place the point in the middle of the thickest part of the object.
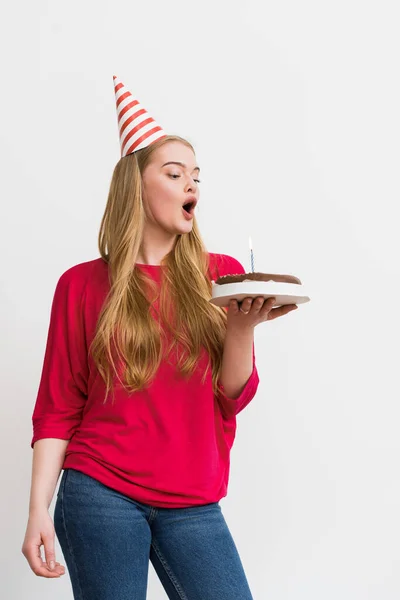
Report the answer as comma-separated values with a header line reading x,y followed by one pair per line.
x,y
128,341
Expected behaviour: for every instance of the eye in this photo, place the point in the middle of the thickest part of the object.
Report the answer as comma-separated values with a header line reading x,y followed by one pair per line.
x,y
176,175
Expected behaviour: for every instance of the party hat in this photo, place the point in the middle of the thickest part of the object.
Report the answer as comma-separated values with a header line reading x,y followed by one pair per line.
x,y
136,128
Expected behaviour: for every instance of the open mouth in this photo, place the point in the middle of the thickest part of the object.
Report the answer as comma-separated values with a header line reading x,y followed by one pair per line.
x,y
189,207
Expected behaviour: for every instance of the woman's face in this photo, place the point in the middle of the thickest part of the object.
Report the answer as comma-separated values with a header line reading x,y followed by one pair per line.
x,y
168,187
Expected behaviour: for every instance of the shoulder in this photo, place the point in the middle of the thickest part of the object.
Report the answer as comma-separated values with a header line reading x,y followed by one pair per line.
x,y
224,264
75,279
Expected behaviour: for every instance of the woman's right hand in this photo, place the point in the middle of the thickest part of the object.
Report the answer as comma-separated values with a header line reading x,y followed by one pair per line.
x,y
40,532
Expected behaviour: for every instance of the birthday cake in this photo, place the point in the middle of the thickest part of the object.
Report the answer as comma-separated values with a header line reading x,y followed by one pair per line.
x,y
257,277
286,289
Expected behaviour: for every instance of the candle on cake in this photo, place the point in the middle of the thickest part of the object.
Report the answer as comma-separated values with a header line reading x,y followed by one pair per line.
x,y
251,255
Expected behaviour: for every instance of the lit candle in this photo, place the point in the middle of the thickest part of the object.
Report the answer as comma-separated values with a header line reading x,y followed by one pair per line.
x,y
251,255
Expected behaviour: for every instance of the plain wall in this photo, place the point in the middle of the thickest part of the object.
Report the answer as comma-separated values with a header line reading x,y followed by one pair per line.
x,y
293,109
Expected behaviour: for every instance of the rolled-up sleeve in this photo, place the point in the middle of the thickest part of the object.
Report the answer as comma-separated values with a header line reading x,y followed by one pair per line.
x,y
230,407
62,389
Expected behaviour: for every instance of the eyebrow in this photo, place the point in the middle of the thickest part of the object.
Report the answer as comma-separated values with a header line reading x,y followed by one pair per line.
x,y
175,162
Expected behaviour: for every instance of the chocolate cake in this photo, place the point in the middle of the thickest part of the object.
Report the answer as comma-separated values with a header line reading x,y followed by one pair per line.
x,y
257,277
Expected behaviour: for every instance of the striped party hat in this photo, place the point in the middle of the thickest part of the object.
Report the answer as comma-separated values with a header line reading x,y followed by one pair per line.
x,y
136,128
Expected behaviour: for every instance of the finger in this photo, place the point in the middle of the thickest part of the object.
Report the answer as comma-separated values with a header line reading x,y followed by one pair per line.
x,y
48,542
267,306
282,310
39,567
34,559
44,571
246,305
59,568
258,304
233,306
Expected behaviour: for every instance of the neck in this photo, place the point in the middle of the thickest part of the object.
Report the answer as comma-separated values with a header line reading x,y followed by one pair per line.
x,y
155,246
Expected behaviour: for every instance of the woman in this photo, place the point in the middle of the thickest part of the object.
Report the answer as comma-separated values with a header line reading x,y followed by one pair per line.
x,y
142,380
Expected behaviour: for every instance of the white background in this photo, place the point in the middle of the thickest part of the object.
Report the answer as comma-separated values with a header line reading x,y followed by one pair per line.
x,y
293,109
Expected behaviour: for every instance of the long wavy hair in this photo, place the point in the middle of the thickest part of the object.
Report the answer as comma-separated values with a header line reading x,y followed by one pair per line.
x,y
128,342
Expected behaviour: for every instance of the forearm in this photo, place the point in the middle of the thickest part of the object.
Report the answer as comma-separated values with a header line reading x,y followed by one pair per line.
x,y
48,458
237,360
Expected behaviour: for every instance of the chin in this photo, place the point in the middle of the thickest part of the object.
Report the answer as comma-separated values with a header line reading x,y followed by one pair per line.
x,y
177,229
186,228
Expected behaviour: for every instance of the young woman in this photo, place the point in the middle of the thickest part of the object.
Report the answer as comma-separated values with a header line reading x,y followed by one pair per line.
x,y
142,380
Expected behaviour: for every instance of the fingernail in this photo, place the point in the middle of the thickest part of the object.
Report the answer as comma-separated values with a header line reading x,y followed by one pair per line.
x,y
52,564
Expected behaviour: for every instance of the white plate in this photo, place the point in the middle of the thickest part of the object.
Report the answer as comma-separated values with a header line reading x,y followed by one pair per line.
x,y
285,293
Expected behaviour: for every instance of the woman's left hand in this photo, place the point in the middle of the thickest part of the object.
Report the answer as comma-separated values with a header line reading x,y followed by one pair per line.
x,y
253,311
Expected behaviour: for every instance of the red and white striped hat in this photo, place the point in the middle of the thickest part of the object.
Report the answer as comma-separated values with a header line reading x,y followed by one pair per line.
x,y
136,128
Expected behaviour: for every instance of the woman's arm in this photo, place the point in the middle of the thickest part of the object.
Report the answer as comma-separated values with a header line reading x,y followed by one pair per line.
x,y
237,360
47,461
48,458
238,364
57,414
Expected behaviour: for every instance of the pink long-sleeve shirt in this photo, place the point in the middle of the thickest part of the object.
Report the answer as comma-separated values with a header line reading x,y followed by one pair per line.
x,y
166,446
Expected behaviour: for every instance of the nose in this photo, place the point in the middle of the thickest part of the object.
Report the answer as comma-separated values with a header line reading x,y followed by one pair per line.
x,y
191,186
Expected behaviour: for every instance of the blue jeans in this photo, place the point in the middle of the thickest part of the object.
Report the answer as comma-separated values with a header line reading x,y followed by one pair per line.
x,y
107,540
